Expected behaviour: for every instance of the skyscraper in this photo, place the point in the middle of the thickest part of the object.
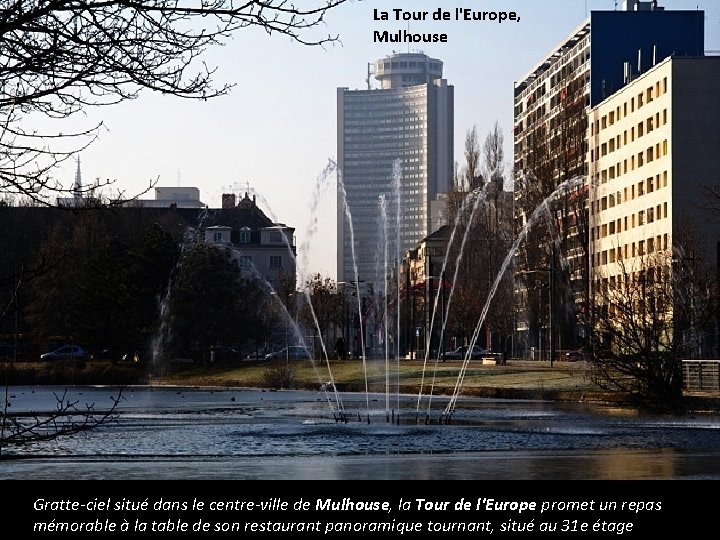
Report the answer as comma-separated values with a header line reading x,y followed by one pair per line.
x,y
395,143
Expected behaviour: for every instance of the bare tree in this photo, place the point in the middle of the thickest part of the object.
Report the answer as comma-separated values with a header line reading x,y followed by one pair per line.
x,y
645,320
325,308
468,178
482,217
494,155
58,57
67,418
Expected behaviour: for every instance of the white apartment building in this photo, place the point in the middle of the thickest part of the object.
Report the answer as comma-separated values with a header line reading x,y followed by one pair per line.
x,y
551,103
653,157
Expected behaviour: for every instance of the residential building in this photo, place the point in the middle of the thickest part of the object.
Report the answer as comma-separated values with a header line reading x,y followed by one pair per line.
x,y
652,168
421,284
550,142
394,143
263,249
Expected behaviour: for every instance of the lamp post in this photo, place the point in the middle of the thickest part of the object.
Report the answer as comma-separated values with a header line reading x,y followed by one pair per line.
x,y
551,304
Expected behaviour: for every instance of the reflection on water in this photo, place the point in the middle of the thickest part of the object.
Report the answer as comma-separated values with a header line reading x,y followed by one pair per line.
x,y
251,434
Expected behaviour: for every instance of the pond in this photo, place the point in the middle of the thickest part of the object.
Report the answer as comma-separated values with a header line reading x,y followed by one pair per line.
x,y
231,433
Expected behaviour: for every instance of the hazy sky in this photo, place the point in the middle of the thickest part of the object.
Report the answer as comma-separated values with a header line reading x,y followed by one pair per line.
x,y
276,130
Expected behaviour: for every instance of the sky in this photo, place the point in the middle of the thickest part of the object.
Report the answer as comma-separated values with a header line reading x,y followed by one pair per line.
x,y
276,131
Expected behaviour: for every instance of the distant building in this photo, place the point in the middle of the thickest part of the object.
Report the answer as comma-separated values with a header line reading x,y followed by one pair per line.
x,y
408,120
79,198
169,196
420,281
264,250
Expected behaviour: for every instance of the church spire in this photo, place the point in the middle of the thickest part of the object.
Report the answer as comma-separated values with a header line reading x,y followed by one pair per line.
x,y
77,189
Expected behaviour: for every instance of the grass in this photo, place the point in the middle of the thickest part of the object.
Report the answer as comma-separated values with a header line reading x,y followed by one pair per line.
x,y
517,377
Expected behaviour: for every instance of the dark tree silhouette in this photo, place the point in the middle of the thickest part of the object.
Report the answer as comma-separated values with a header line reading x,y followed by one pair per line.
x,y
68,417
58,57
646,319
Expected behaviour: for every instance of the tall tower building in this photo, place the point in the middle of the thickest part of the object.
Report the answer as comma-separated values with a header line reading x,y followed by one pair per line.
x,y
551,105
394,143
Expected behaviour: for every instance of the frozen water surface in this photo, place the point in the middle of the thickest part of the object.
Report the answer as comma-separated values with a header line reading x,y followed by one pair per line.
x,y
255,434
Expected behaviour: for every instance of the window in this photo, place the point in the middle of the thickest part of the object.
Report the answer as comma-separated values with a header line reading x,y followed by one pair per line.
x,y
245,235
217,237
245,261
275,262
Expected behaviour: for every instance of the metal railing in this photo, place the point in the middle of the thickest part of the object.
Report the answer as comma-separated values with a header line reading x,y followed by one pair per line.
x,y
701,375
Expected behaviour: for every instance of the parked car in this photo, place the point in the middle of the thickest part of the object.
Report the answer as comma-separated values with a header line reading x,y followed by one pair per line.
x,y
460,353
68,352
294,352
223,353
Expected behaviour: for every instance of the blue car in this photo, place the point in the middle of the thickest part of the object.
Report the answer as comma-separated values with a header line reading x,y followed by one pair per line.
x,y
68,352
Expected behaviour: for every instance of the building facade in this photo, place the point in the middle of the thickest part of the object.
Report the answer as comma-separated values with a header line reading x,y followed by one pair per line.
x,y
264,250
653,171
394,144
550,141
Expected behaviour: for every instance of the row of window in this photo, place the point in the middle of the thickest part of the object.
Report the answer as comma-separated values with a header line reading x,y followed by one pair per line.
x,y
626,223
246,261
650,154
649,185
217,237
434,66
617,142
651,92
634,249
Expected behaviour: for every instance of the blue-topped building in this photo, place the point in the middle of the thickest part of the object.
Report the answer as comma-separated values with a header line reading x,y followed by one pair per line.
x,y
602,55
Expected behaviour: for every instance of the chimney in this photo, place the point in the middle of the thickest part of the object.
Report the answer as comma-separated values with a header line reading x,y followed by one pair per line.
x,y
228,200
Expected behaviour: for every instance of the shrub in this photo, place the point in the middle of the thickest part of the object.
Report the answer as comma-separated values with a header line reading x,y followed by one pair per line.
x,y
280,374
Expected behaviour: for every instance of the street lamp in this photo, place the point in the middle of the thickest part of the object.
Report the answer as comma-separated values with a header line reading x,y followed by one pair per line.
x,y
354,287
550,285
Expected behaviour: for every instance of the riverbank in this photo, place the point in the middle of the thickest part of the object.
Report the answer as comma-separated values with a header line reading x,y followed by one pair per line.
x,y
517,379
